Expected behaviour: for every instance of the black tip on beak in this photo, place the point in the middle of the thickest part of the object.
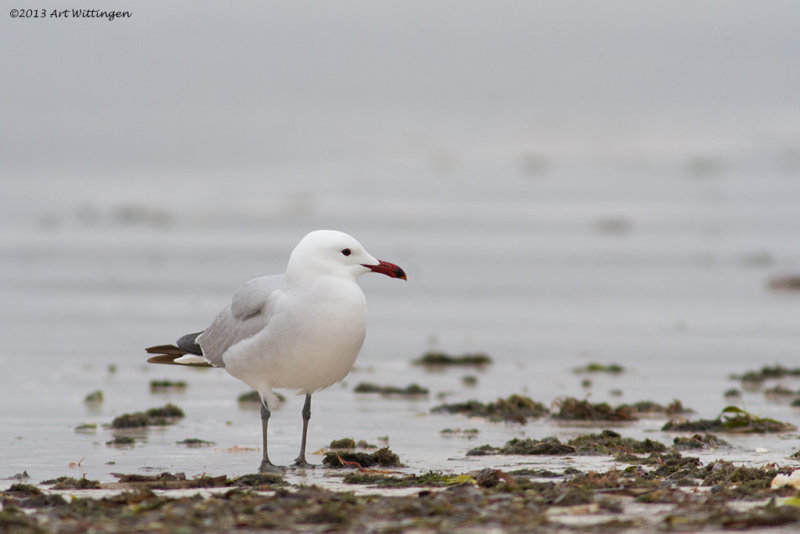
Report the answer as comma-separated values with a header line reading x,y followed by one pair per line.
x,y
389,269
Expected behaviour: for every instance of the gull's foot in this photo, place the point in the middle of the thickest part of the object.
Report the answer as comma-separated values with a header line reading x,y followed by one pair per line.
x,y
269,467
301,463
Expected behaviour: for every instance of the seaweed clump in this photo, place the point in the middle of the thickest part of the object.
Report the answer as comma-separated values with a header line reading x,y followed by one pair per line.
x,y
483,500
121,440
195,442
350,443
62,483
383,457
734,420
606,442
653,408
168,480
166,415
259,481
165,385
699,441
434,359
752,482
95,397
412,390
572,409
429,479
595,367
546,446
516,408
767,372
780,392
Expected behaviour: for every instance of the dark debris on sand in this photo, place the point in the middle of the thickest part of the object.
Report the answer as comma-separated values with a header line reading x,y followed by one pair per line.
x,y
766,373
732,420
572,409
487,499
412,390
441,359
606,442
350,443
516,408
195,442
62,483
595,367
166,415
382,457
645,408
699,441
493,500
167,385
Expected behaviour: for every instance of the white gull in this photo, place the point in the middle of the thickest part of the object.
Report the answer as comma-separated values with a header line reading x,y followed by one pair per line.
x,y
299,330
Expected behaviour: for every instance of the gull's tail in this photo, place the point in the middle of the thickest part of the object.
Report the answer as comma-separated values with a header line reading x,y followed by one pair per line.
x,y
185,352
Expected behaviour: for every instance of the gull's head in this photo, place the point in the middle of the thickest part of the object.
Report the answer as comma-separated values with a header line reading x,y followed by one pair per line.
x,y
333,253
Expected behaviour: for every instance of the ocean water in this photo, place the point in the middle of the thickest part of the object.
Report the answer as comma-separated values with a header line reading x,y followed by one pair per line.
x,y
653,267
548,212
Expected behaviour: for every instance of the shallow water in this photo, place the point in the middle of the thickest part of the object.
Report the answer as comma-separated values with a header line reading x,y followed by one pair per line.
x,y
542,221
668,280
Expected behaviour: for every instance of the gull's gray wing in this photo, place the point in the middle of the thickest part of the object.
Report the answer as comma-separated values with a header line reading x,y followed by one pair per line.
x,y
248,313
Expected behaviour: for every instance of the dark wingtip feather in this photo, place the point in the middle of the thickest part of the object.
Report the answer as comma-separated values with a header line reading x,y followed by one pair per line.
x,y
165,349
164,358
189,344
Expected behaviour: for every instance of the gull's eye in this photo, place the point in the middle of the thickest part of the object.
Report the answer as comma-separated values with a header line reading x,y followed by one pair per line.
x,y
346,252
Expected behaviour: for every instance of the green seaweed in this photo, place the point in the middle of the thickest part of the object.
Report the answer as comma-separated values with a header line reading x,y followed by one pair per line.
x,y
734,420
165,415
161,385
429,479
440,359
121,440
95,397
572,409
699,441
484,500
767,373
195,442
469,380
350,443
595,367
606,442
22,489
258,480
383,457
412,390
527,446
62,483
516,408
642,408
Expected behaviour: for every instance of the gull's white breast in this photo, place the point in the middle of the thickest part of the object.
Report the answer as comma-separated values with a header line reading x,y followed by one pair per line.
x,y
310,342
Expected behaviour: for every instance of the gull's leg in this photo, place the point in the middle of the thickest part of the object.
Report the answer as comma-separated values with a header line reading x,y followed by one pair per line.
x,y
301,459
266,465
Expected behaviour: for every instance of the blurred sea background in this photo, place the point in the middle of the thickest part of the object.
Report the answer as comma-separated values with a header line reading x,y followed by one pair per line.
x,y
563,182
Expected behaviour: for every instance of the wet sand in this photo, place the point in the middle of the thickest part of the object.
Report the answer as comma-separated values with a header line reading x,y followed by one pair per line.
x,y
437,488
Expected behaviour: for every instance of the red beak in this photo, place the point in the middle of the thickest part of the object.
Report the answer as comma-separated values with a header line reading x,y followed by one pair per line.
x,y
389,269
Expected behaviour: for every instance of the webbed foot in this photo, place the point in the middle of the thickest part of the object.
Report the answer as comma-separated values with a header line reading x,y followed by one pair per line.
x,y
300,463
269,467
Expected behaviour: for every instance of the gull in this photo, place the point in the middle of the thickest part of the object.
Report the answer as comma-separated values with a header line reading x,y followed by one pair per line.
x,y
300,330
